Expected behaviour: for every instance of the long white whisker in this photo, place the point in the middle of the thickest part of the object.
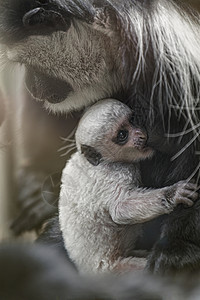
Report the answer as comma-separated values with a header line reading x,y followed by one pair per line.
x,y
184,132
67,147
69,137
70,150
194,173
186,146
67,140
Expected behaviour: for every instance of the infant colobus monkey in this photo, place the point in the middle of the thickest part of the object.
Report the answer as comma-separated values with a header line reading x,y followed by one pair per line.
x,y
101,190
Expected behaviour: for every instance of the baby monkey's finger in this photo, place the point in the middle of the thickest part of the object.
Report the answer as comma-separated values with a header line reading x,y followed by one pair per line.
x,y
186,201
191,186
190,194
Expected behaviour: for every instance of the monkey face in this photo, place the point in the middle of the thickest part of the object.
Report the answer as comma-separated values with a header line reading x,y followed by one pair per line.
x,y
78,52
68,61
106,133
127,144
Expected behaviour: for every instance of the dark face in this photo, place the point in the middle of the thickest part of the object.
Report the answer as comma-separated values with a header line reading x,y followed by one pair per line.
x,y
67,58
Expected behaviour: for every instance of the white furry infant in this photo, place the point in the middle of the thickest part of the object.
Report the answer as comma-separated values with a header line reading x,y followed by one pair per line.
x,y
101,190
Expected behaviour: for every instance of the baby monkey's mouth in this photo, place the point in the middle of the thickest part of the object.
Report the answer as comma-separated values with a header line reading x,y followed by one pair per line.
x,y
143,148
141,144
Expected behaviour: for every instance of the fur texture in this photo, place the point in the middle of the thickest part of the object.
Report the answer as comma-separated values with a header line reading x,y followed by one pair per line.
x,y
143,53
37,272
97,201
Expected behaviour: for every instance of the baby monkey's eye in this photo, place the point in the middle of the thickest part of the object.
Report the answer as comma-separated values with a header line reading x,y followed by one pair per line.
x,y
122,136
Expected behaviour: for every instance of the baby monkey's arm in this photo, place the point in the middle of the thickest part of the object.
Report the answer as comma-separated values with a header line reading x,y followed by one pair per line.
x,y
140,205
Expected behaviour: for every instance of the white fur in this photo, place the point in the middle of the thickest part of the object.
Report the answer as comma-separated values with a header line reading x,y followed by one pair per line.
x,y
87,228
97,201
176,47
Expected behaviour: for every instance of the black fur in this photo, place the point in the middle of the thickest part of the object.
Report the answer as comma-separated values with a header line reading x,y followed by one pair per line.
x,y
36,272
91,155
53,86
52,237
181,254
162,170
13,15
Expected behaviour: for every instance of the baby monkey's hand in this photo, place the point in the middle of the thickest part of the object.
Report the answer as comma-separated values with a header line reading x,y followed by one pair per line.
x,y
182,192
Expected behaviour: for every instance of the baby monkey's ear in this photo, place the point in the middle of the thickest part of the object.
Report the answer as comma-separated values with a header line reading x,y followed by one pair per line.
x,y
91,154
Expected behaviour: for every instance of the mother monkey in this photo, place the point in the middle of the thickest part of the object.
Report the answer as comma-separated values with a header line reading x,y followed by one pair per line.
x,y
144,53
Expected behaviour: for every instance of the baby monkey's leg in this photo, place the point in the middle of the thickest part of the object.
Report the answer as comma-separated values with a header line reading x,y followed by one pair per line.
x,y
139,206
128,264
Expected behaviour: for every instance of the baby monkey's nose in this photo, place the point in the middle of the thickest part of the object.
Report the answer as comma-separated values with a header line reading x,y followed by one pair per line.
x,y
139,137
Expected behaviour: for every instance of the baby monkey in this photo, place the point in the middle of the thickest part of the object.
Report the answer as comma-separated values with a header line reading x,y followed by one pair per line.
x,y
102,195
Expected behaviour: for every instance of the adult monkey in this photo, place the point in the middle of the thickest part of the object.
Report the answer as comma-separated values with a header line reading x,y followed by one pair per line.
x,y
143,52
